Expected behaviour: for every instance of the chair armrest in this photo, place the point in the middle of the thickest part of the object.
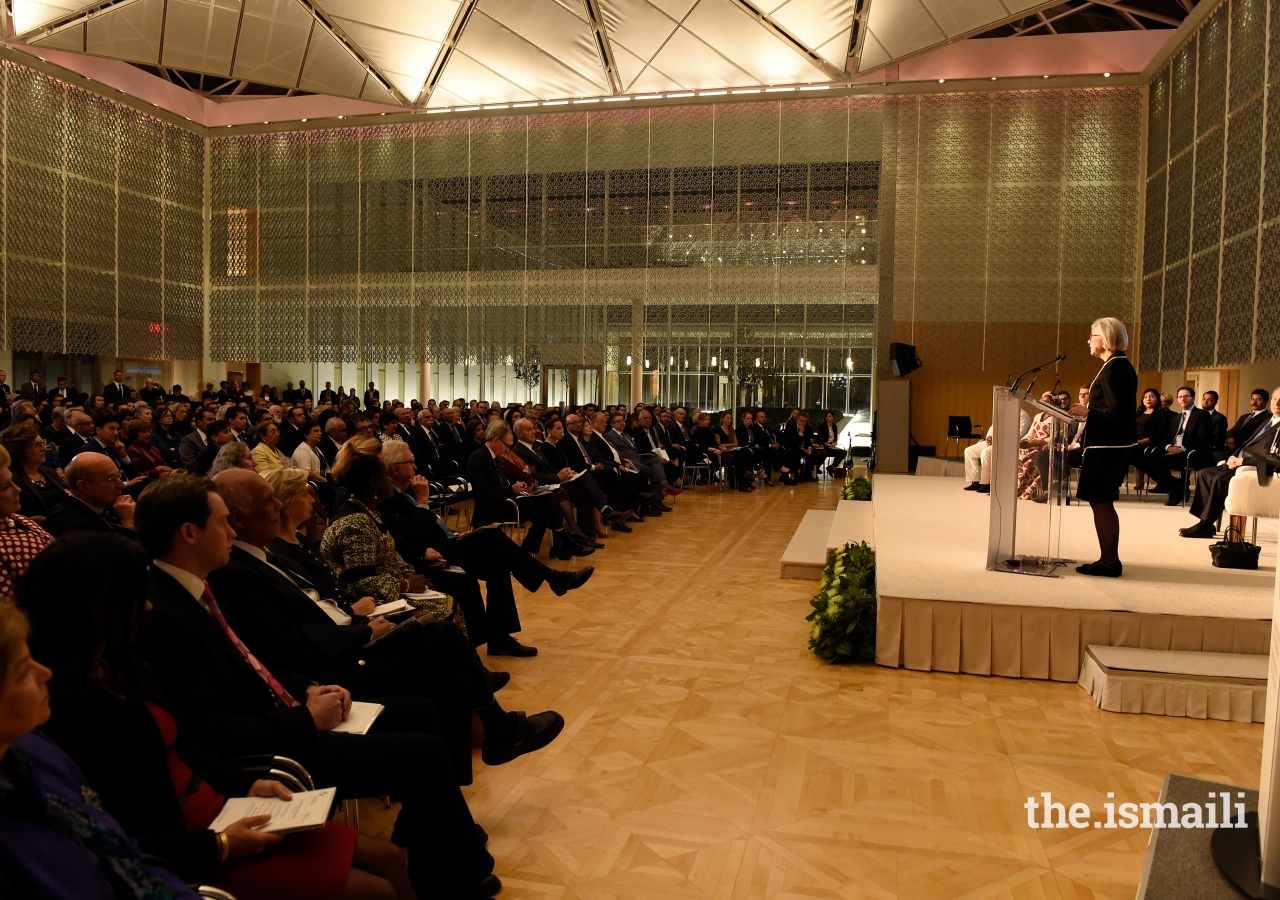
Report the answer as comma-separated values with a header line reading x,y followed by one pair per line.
x,y
289,772
212,893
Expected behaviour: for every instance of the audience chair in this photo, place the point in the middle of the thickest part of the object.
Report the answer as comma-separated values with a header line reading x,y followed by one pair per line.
x,y
1248,499
513,526
1195,461
291,773
690,482
959,428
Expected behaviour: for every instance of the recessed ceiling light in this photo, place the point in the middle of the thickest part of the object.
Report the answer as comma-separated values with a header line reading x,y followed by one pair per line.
x,y
496,105
443,109
555,102
682,94
817,87
993,78
304,120
589,100
1106,74
341,117
615,99
1044,76
777,90
747,91
266,123
383,114
465,108
712,93
942,81
523,105
650,97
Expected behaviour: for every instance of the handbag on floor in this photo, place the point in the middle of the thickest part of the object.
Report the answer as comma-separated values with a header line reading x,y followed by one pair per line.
x,y
1235,554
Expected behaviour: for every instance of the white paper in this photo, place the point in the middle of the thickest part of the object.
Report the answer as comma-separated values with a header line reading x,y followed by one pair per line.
x,y
425,595
394,606
307,810
360,719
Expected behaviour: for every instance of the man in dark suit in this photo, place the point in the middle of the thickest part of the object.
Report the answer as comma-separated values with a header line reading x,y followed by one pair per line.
x,y
770,447
106,441
487,554
647,462
32,389
372,398
586,495
288,628
1210,498
232,703
116,393
302,393
1190,432
4,384
60,392
191,446
79,431
447,427
649,442
288,395
151,392
329,394
493,493
1209,403
291,431
96,501
1246,426
335,435
428,452
577,453
607,455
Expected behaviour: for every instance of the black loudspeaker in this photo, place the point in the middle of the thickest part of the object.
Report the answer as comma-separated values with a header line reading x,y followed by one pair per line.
x,y
902,359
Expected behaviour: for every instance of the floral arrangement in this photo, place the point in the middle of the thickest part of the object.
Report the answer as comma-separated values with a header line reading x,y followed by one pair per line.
x,y
856,489
844,610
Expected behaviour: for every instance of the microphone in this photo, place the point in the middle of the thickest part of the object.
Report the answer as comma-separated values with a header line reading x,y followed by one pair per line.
x,y
1035,371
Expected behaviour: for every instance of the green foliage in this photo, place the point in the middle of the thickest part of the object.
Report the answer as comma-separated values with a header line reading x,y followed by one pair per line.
x,y
857,489
844,610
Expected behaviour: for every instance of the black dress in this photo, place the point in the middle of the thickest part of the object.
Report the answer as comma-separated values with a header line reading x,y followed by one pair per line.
x,y
1112,398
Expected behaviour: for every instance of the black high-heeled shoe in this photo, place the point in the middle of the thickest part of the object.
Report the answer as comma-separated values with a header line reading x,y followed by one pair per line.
x,y
1101,569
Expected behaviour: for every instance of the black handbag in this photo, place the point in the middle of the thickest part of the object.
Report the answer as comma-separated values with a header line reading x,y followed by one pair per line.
x,y
1235,554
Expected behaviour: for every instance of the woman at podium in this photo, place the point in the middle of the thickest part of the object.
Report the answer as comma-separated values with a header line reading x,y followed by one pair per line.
x,y
1109,434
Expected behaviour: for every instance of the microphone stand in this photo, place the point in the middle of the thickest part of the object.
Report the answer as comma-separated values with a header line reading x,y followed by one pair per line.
x,y
1035,371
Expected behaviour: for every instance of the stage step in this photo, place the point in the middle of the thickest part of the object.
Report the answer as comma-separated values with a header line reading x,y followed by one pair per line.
x,y
1190,683
938,466
822,530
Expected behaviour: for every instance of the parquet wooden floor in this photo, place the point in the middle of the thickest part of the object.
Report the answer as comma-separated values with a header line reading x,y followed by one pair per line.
x,y
708,754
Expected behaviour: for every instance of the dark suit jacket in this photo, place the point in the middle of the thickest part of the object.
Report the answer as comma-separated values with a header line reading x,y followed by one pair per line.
x,y
126,467
328,449
490,488
573,455
447,433
290,438
540,463
1247,426
600,451
427,453
68,445
117,395
414,528
59,393
33,392
1219,428
73,515
1113,397
151,394
747,436
283,625
224,702
647,440
190,448
1198,434
330,395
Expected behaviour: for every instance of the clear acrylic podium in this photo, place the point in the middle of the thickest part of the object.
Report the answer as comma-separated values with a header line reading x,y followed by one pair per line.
x,y
1002,555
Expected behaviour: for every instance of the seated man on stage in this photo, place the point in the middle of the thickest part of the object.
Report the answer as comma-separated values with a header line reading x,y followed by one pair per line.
x,y
1211,484
977,457
1246,426
1190,431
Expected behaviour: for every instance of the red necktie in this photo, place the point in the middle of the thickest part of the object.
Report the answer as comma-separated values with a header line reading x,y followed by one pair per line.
x,y
276,687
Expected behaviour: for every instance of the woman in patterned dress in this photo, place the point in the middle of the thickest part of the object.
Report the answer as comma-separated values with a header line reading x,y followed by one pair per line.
x,y
1037,438
20,538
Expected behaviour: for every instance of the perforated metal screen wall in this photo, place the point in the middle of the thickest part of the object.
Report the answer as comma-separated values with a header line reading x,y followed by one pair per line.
x,y
102,240
1016,221
1211,252
747,232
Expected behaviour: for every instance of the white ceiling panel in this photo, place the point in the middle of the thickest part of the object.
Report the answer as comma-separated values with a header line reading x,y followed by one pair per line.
x,y
957,17
32,14
1017,6
637,25
753,48
374,92
815,21
903,26
130,32
520,62
676,9
330,68
695,65
200,35
873,54
836,50
471,82
550,27
429,19
69,38
409,57
443,98
273,41
651,80
628,64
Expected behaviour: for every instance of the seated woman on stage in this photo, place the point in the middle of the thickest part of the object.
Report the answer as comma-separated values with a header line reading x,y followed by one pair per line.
x,y
1110,424
1036,439
1152,420
159,785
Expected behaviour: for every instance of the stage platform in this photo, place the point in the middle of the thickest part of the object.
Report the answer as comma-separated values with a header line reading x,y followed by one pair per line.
x,y
941,610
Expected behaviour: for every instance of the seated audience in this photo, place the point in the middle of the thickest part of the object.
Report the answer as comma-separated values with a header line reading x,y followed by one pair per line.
x,y
575,493
828,436
163,787
1035,440
1218,422
300,631
41,485
1210,497
1246,426
106,442
234,455
55,839
196,441
335,433
977,456
166,437
21,539
217,436
236,706
770,448
267,453
1187,440
487,554
650,464
79,431
747,455
95,500
147,461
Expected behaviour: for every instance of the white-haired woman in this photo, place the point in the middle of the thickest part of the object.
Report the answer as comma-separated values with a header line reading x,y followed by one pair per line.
x,y
1110,424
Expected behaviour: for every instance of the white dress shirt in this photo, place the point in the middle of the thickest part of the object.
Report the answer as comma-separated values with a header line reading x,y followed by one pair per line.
x,y
331,609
